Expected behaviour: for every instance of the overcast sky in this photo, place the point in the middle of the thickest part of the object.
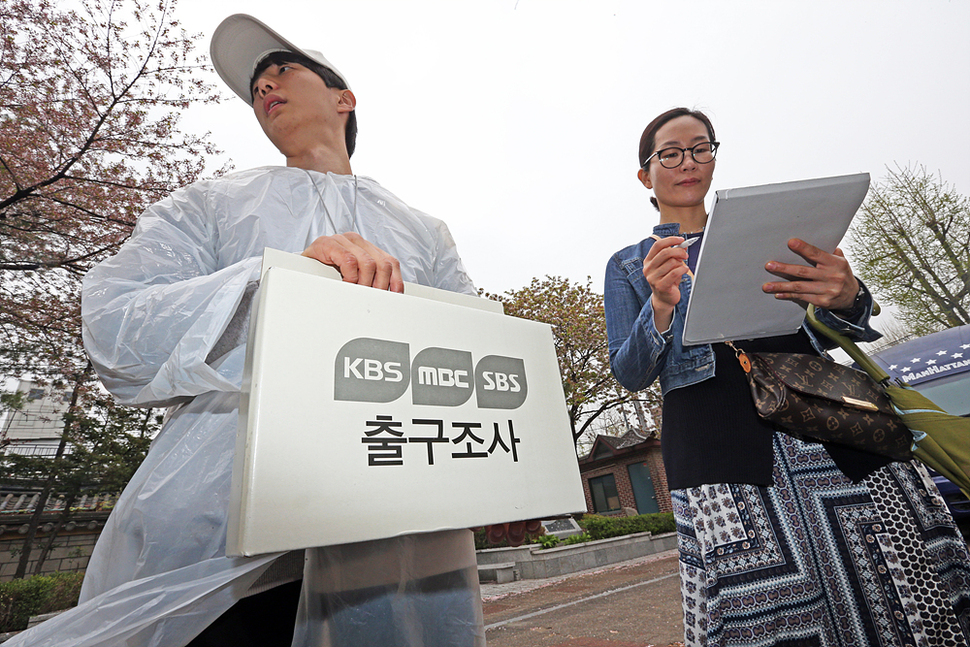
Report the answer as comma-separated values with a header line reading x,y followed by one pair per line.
x,y
517,122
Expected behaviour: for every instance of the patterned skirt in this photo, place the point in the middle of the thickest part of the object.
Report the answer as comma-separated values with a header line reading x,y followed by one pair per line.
x,y
818,560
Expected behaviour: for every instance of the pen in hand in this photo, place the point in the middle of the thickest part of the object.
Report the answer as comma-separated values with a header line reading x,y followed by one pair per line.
x,y
687,243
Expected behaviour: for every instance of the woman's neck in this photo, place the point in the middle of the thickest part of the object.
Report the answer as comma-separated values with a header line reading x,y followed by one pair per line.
x,y
692,219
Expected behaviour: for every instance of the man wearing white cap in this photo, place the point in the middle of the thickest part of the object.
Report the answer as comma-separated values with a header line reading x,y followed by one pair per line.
x,y
165,324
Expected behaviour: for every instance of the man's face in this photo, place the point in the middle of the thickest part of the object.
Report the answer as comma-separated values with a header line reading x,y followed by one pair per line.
x,y
296,109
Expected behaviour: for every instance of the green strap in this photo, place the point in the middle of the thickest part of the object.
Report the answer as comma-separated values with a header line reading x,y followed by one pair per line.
x,y
868,365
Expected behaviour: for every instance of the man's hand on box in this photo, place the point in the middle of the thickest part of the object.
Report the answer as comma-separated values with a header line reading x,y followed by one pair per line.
x,y
358,261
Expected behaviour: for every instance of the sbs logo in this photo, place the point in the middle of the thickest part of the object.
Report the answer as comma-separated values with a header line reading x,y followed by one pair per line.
x,y
501,382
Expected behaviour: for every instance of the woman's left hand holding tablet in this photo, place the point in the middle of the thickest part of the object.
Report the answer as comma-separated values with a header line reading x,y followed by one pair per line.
x,y
828,283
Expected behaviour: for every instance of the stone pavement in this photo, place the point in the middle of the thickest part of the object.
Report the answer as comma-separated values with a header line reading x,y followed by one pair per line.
x,y
492,591
506,593
635,603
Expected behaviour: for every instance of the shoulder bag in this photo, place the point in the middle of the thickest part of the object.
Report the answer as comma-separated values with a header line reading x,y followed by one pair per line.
x,y
814,398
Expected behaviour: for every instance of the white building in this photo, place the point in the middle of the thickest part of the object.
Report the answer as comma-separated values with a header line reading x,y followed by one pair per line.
x,y
36,428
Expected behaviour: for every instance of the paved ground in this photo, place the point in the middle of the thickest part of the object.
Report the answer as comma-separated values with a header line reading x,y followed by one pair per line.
x,y
629,604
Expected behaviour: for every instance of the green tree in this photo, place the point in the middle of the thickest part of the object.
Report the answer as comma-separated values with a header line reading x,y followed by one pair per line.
x,y
100,450
575,312
644,420
910,243
90,104
89,136
10,402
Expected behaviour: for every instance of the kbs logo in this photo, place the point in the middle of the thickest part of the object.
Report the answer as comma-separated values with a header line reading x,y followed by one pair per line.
x,y
371,370
376,370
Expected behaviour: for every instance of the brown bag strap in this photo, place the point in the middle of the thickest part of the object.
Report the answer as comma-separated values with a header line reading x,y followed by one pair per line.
x,y
743,358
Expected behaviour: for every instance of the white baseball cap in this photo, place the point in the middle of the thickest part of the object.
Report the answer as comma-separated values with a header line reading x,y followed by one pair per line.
x,y
240,42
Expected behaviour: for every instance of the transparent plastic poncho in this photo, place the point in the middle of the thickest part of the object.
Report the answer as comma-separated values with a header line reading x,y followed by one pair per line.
x,y
165,323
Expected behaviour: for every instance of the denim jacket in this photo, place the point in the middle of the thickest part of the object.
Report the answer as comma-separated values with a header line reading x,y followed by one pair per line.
x,y
639,353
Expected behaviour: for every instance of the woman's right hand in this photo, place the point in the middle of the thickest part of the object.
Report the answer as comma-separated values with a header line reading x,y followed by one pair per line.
x,y
663,269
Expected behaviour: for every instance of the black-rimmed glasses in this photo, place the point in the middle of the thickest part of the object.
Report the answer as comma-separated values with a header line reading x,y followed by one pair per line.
x,y
702,153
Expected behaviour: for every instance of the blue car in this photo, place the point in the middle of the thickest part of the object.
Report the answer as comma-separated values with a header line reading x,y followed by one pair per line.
x,y
956,501
938,366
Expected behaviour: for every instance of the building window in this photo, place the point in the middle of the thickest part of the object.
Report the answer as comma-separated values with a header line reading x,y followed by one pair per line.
x,y
35,394
605,496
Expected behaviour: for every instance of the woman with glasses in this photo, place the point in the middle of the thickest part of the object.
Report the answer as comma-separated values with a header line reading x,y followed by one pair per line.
x,y
782,542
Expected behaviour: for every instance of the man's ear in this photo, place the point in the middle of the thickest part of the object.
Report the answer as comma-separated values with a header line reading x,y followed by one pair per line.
x,y
644,176
347,101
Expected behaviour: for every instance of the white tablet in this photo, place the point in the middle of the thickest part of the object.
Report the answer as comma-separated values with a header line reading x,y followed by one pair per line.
x,y
750,226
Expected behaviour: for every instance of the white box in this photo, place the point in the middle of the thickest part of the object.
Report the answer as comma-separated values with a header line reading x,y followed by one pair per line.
x,y
368,414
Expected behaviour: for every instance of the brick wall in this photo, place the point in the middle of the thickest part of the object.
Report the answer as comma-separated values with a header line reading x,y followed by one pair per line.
x,y
659,476
619,468
72,546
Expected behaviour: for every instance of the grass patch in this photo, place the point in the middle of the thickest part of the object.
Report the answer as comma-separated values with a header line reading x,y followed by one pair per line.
x,y
596,527
22,599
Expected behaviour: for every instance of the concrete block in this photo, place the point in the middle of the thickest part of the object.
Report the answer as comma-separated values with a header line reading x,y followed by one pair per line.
x,y
498,573
562,528
553,567
532,562
503,555
36,620
539,570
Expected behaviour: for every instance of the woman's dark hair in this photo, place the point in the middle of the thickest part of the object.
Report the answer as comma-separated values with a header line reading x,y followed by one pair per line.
x,y
329,77
648,140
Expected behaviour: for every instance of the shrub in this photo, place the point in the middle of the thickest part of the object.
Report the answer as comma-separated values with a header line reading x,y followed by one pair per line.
x,y
577,539
21,599
549,541
481,543
600,527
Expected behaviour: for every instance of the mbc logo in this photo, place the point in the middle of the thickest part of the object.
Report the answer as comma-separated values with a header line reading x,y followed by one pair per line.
x,y
376,370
